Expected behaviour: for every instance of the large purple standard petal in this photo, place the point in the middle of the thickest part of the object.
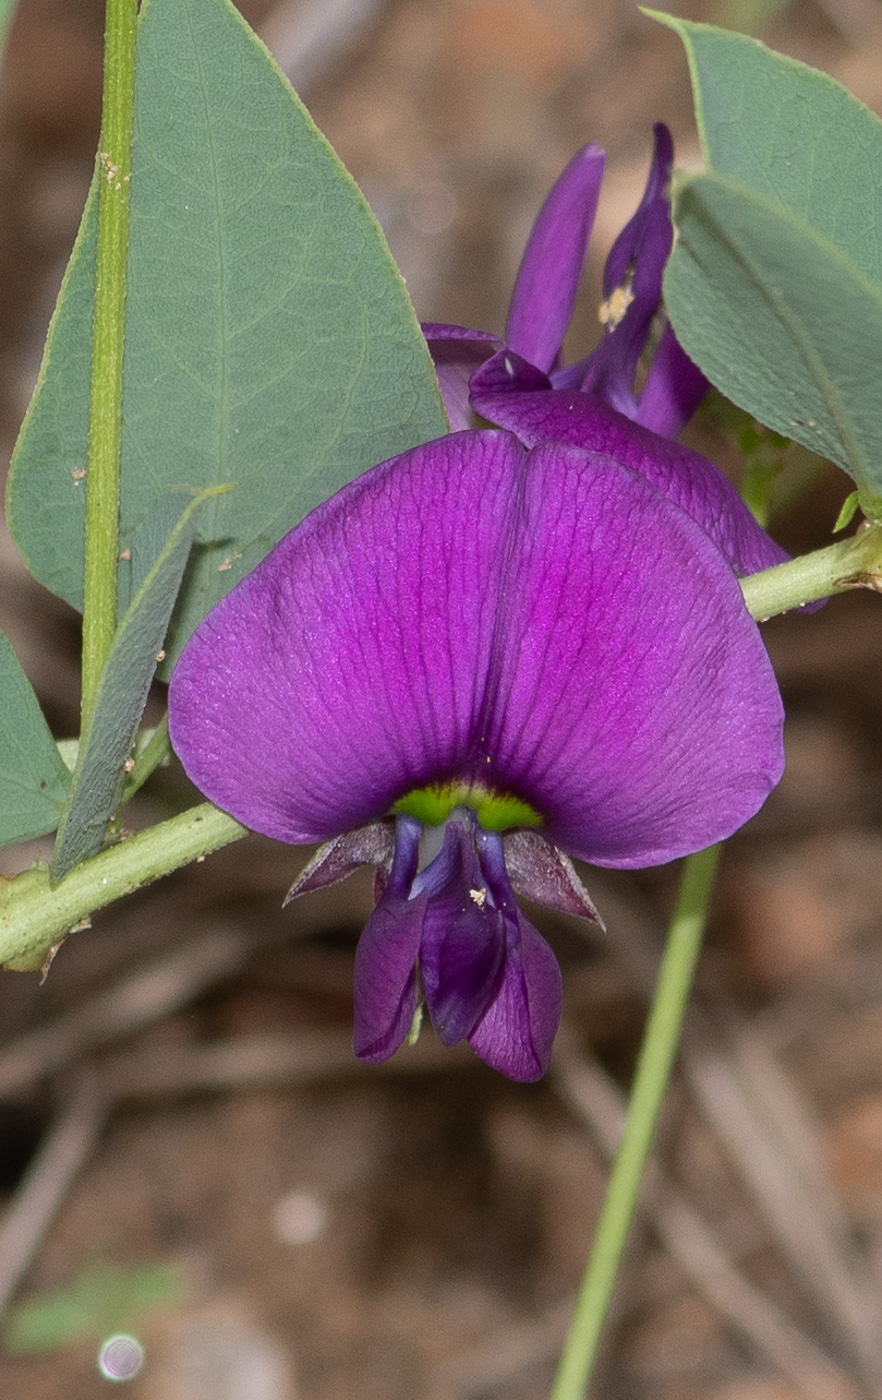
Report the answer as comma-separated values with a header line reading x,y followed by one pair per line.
x,y
548,279
543,624
691,481
632,701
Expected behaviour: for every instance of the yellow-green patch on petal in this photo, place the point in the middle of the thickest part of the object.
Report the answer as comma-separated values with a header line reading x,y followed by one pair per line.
x,y
495,811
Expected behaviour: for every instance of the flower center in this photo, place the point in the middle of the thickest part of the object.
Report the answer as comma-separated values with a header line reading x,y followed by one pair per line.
x,y
495,811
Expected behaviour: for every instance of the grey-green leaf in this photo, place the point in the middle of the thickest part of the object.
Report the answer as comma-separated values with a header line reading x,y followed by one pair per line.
x,y
33,779
781,319
270,341
795,135
775,285
122,690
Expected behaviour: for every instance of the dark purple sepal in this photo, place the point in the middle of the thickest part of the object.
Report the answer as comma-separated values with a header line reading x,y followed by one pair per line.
x,y
539,871
366,845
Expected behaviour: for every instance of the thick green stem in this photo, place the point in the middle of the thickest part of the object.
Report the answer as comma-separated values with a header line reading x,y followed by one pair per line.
x,y
657,1053
853,563
105,412
35,916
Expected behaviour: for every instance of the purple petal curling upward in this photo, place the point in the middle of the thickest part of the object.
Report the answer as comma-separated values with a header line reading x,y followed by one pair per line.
x,y
674,388
457,352
548,278
544,624
634,268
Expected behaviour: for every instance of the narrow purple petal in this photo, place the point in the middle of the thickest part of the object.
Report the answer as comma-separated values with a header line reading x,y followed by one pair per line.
x,y
634,270
692,482
633,702
517,1031
350,666
643,238
674,388
457,352
463,941
548,278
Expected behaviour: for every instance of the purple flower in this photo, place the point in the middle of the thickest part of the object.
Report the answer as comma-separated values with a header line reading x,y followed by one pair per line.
x,y
520,382
468,657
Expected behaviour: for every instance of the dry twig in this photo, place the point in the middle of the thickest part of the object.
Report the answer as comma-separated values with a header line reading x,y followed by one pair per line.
x,y
65,1147
773,1145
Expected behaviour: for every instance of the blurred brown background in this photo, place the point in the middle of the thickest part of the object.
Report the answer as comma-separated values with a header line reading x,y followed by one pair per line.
x,y
322,1232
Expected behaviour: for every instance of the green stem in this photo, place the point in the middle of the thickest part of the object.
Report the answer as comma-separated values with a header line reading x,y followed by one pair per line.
x,y
35,916
105,410
660,1041
6,9
852,563
153,751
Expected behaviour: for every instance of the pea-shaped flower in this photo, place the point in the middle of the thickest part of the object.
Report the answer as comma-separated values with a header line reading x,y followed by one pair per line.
x,y
477,653
521,383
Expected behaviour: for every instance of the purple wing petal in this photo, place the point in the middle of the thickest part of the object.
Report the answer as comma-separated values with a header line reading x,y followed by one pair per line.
x,y
349,666
548,278
692,482
457,352
674,388
633,702
385,977
386,957
517,1031
634,270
